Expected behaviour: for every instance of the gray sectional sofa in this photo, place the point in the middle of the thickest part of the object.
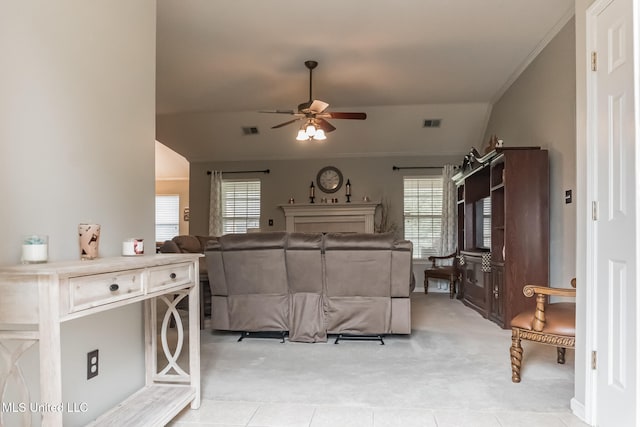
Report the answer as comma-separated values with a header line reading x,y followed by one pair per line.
x,y
310,284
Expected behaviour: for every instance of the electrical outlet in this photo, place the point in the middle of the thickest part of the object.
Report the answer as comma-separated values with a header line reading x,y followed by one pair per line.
x,y
92,364
568,196
270,223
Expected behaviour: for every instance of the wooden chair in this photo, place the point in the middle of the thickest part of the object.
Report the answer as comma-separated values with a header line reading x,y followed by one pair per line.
x,y
450,273
551,324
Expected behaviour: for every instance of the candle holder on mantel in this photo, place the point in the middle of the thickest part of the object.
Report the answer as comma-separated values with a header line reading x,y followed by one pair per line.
x,y
348,191
312,193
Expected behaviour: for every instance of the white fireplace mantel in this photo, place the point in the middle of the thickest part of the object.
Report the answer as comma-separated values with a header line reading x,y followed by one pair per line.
x,y
330,217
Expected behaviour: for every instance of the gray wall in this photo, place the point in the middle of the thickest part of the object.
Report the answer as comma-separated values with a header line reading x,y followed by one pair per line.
x,y
76,144
539,109
371,176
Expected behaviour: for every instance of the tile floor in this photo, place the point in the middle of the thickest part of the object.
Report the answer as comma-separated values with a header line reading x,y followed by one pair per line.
x,y
254,414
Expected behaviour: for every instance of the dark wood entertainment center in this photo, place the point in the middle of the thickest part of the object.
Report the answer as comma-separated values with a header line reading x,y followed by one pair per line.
x,y
503,231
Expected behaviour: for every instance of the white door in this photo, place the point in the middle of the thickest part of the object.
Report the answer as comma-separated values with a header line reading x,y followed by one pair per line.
x,y
613,169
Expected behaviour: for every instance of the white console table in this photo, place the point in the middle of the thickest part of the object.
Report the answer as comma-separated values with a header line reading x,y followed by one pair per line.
x,y
357,217
36,299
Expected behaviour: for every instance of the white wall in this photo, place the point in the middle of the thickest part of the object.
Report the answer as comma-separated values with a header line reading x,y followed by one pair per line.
x,y
539,109
76,144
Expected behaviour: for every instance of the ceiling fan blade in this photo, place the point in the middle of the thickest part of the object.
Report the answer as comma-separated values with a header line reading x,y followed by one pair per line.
x,y
318,106
315,106
284,124
278,111
352,116
325,125
304,106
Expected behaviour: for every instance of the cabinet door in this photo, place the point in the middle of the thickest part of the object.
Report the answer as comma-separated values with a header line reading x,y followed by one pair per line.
x,y
475,285
497,295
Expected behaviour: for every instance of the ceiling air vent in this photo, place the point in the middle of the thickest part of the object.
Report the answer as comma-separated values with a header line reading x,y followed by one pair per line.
x,y
432,123
250,130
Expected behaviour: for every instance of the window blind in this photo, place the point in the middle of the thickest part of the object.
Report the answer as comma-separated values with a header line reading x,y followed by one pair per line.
x,y
486,224
240,205
423,214
167,217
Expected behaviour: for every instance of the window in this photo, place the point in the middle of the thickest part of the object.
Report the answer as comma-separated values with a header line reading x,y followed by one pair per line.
x,y
240,205
167,217
422,214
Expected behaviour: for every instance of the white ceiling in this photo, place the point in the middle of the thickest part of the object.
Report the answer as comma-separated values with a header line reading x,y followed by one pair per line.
x,y
219,62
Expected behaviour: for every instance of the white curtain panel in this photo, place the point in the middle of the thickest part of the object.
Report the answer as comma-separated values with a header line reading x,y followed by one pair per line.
x,y
449,240
215,204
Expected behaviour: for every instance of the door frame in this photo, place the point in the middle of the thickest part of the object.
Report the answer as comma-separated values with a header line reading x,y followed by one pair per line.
x,y
588,273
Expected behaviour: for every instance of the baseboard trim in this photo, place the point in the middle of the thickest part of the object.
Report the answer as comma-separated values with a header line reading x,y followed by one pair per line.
x,y
579,410
420,289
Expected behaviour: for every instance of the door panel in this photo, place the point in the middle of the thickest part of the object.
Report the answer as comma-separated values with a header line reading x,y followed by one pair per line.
x,y
613,142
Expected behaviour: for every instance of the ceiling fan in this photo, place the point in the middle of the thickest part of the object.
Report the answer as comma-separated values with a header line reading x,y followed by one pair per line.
x,y
314,114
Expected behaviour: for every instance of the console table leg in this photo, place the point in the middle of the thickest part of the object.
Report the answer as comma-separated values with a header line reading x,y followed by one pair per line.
x,y
50,352
194,340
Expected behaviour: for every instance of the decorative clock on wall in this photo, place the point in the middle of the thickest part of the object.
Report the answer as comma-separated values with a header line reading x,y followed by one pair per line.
x,y
329,179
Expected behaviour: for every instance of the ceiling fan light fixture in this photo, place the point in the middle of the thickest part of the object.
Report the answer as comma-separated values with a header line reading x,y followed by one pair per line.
x,y
313,114
310,130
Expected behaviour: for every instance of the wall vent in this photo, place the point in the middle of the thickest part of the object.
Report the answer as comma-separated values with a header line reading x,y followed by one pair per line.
x,y
432,123
250,130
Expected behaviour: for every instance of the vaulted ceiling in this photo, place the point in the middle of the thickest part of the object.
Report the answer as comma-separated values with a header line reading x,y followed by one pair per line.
x,y
219,62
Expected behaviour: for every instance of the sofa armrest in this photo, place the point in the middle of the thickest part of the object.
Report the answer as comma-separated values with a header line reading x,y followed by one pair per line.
x,y
402,269
169,247
215,268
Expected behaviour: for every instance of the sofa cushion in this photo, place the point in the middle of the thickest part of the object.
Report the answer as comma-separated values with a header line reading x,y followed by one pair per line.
x,y
189,244
358,273
258,271
358,264
305,241
267,240
254,263
560,319
358,241
304,262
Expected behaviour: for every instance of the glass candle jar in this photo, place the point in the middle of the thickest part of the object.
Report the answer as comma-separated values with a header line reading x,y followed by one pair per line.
x,y
35,249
